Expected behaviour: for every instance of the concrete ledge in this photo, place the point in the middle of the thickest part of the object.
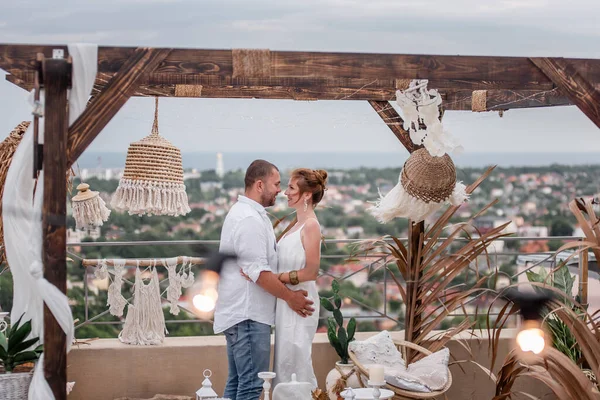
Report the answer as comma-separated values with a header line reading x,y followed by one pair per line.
x,y
107,369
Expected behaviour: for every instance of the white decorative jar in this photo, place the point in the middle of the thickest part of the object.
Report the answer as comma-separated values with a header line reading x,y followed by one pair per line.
x,y
341,370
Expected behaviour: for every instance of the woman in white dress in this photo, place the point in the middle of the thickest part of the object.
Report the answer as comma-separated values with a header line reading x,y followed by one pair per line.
x,y
299,258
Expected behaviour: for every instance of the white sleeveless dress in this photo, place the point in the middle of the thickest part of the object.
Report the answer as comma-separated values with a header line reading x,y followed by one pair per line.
x,y
294,334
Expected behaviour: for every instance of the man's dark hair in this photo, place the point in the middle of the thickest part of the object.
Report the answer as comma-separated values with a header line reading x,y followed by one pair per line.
x,y
258,170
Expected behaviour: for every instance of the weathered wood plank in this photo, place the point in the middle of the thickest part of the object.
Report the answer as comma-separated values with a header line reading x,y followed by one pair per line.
x,y
577,88
116,93
56,74
506,99
517,70
233,89
393,120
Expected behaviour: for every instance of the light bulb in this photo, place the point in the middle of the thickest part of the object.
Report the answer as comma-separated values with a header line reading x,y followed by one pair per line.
x,y
205,301
531,337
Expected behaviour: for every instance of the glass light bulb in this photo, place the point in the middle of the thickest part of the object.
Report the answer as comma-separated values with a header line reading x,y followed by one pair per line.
x,y
531,337
206,300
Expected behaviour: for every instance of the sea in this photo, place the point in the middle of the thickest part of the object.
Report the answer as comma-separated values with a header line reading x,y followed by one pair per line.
x,y
332,160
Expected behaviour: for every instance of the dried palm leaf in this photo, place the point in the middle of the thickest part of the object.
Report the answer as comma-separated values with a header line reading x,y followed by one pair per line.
x,y
427,273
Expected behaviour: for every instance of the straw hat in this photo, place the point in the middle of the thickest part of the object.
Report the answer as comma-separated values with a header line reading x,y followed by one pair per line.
x,y
88,208
428,178
152,182
425,184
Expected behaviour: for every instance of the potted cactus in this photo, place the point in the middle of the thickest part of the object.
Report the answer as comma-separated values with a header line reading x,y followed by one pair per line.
x,y
343,375
15,352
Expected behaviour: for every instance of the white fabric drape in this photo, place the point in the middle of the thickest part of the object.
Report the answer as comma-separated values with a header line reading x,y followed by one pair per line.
x,y
23,225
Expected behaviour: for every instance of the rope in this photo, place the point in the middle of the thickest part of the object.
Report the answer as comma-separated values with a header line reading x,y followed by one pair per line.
x,y
342,381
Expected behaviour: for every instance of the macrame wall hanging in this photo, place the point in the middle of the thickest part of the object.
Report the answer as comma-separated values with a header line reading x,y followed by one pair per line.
x,y
89,210
428,179
144,323
152,182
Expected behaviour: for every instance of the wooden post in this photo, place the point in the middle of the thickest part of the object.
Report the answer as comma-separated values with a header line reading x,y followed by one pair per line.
x,y
56,74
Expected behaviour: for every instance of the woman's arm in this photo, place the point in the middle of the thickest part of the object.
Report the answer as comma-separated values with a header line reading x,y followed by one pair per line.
x,y
311,240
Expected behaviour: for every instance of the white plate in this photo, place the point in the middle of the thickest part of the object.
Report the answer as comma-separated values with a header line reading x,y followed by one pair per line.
x,y
367,394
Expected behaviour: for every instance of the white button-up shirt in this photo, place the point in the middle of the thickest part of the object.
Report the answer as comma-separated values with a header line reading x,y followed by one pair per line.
x,y
248,233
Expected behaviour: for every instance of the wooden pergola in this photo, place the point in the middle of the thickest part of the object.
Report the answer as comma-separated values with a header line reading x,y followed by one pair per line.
x,y
500,83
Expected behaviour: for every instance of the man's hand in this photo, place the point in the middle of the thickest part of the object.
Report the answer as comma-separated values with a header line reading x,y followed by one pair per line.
x,y
298,302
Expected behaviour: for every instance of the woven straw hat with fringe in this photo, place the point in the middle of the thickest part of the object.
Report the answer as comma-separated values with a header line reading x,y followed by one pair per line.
x,y
88,208
152,182
7,150
428,178
426,183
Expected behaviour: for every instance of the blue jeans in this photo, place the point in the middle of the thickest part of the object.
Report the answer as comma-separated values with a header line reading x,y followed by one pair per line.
x,y
248,353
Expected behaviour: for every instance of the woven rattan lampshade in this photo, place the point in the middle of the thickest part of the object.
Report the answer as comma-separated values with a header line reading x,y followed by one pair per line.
x,y
152,182
428,178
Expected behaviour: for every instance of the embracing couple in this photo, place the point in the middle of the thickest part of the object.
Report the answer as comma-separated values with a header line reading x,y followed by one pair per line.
x,y
266,274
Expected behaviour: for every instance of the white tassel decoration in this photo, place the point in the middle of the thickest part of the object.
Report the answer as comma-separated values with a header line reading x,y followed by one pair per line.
x,y
151,198
89,210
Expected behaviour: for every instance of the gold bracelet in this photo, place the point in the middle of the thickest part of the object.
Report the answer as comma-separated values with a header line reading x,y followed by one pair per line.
x,y
294,277
279,276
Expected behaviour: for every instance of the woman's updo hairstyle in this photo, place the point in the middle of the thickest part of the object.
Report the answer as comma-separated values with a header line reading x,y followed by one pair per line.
x,y
311,180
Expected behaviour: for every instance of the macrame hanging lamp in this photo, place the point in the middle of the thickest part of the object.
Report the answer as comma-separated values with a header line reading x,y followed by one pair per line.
x,y
152,182
89,210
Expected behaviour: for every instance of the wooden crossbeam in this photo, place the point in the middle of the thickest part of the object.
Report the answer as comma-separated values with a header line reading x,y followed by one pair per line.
x,y
296,64
582,92
116,93
307,89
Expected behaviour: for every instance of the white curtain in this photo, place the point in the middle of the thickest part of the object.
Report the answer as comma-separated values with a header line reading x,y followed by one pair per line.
x,y
23,224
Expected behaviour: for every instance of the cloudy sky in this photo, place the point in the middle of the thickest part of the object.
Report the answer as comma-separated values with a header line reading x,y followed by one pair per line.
x,y
466,27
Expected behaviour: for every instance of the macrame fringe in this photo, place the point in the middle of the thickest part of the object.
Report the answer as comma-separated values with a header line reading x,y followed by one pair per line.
x,y
177,280
145,321
115,300
92,212
151,198
399,204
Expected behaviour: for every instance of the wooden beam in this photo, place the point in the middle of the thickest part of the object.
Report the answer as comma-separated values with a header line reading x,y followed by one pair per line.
x,y
583,93
394,121
56,73
514,71
116,93
327,89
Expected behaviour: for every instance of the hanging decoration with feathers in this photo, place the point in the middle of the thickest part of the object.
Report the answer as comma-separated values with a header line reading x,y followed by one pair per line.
x,y
426,183
421,111
428,179
152,182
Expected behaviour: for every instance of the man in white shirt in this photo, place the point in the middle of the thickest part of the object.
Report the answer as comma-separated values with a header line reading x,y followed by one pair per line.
x,y
245,310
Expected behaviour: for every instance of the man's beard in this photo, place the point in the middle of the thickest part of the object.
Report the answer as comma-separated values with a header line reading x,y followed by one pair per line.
x,y
267,200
